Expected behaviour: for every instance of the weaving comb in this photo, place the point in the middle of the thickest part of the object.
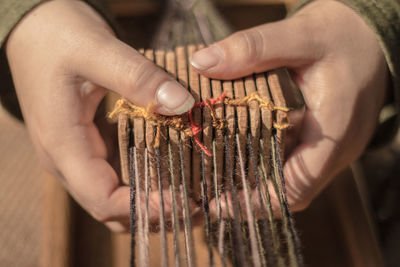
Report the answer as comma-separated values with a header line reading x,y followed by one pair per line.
x,y
193,184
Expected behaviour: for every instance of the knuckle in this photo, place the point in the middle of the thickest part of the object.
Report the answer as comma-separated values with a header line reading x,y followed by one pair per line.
x,y
298,204
118,227
118,230
80,51
310,35
101,214
252,42
141,76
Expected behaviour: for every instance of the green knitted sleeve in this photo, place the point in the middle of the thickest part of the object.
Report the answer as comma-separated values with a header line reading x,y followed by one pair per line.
x,y
383,17
11,12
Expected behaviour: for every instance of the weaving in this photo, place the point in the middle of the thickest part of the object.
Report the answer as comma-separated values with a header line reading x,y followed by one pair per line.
x,y
194,188
217,168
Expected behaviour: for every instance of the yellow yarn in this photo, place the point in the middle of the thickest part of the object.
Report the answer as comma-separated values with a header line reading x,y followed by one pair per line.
x,y
181,122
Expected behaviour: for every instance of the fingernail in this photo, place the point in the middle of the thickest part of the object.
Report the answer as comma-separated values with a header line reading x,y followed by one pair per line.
x,y
174,99
206,58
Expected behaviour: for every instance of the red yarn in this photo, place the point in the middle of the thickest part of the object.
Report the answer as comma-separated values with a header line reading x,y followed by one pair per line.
x,y
197,129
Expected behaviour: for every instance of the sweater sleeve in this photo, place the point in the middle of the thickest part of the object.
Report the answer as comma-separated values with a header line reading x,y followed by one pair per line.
x,y
11,12
383,17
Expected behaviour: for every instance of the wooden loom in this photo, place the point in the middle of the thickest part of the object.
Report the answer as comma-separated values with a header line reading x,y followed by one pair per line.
x,y
181,171
238,126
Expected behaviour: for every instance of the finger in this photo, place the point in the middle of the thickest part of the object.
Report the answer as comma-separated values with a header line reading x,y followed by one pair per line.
x,y
279,44
258,206
151,213
311,165
81,158
118,227
155,205
80,155
118,67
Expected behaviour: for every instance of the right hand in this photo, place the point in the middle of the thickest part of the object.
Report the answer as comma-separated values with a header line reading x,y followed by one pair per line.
x,y
64,57
338,64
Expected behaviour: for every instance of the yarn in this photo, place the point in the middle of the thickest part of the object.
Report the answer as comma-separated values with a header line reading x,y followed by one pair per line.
x,y
185,122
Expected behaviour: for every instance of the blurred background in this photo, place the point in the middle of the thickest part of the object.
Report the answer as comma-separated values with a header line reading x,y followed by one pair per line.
x,y
355,221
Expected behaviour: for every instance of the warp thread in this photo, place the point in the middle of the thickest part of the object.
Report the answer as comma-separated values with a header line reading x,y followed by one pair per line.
x,y
132,201
185,123
163,236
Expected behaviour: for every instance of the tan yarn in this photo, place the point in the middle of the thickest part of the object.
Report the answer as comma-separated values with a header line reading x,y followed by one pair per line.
x,y
182,122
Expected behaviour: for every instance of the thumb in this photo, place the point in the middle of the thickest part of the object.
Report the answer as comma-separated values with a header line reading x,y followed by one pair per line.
x,y
114,65
286,43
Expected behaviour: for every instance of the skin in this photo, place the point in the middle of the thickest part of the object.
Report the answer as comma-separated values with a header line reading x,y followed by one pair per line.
x,y
63,69
61,72
336,61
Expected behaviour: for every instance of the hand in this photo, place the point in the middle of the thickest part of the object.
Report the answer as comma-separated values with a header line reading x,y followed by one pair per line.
x,y
340,69
63,58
